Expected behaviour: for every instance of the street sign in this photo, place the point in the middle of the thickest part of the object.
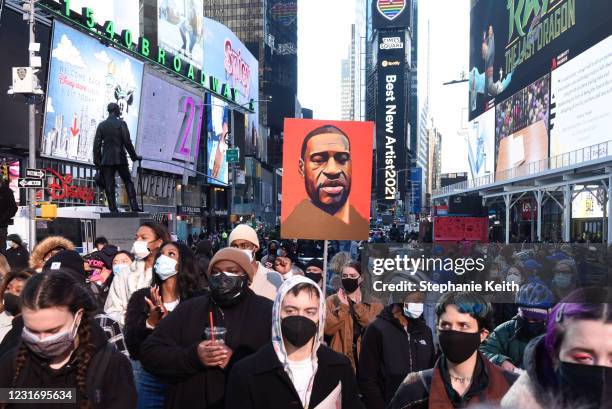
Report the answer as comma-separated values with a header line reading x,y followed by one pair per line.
x,y
35,173
31,183
232,155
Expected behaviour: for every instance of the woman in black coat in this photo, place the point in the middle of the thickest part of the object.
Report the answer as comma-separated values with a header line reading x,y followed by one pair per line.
x,y
175,280
63,347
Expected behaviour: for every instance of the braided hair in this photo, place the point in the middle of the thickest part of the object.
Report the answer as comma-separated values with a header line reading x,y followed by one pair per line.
x,y
58,288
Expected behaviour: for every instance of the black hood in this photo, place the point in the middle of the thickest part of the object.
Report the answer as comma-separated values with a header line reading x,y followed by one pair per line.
x,y
414,325
540,369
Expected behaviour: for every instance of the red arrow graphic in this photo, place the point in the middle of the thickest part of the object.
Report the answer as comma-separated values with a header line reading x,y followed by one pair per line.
x,y
74,128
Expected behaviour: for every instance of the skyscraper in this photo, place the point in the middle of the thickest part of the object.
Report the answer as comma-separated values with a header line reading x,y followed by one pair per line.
x,y
346,96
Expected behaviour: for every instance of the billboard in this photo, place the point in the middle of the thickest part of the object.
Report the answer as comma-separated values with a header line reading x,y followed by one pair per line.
x,y
391,13
218,140
581,100
327,178
125,14
513,43
390,117
480,144
84,77
170,125
180,29
227,58
521,128
586,205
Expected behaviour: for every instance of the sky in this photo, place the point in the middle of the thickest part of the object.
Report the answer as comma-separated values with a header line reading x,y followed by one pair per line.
x,y
324,39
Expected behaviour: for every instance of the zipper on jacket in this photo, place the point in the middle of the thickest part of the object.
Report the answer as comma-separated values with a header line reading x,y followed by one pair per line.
x,y
409,349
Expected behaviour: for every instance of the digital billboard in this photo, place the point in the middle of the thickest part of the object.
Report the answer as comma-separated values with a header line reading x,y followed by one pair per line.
x,y
585,205
391,13
512,43
180,29
124,13
390,117
581,100
170,126
481,144
327,179
521,128
84,77
227,58
218,140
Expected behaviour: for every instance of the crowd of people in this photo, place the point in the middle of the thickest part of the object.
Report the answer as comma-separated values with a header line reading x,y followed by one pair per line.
x,y
242,322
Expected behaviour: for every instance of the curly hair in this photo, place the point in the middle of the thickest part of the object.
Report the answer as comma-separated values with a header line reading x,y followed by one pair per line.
x,y
58,289
188,280
13,275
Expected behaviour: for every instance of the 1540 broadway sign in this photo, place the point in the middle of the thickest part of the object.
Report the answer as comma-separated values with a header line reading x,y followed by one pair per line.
x,y
142,47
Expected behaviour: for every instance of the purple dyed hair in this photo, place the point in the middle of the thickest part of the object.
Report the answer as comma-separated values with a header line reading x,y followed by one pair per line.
x,y
582,304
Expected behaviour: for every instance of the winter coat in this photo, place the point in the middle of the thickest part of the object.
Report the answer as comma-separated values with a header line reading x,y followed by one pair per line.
x,y
8,206
506,343
170,352
339,324
264,380
135,329
259,381
431,388
17,257
6,323
389,353
111,141
122,288
45,246
110,383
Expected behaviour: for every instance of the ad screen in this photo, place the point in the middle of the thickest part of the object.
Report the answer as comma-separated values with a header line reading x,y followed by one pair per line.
x,y
84,77
218,141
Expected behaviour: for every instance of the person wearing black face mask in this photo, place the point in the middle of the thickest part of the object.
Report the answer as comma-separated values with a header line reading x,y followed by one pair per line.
x,y
295,370
314,271
10,305
349,312
506,345
176,351
569,366
462,376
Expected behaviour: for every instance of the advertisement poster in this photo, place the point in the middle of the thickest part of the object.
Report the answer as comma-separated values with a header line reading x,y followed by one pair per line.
x,y
180,29
390,118
124,13
521,129
218,140
581,92
327,178
586,205
170,125
480,145
229,60
84,77
512,43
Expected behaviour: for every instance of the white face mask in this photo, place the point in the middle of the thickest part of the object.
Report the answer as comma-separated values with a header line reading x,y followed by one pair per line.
x,y
413,309
140,249
9,244
514,278
249,254
165,267
121,269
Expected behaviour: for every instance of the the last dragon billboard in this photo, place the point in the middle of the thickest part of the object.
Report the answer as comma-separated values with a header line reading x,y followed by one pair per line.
x,y
515,42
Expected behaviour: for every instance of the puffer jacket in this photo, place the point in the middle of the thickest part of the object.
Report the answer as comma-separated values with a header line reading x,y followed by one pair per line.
x,y
506,343
45,246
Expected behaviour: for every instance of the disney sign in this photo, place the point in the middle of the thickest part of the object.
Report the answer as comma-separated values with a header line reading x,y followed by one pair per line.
x,y
236,67
66,190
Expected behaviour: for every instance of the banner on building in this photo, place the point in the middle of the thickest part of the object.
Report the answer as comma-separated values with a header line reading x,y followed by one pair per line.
x,y
327,174
391,118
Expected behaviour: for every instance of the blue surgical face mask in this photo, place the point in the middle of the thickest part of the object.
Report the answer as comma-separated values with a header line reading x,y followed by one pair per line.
x,y
413,309
121,268
165,267
562,280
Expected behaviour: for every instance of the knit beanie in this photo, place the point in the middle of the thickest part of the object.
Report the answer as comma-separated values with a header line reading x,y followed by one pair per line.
x,y
235,255
243,232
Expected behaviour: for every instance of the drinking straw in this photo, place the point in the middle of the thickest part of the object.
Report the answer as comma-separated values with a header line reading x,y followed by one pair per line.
x,y
212,327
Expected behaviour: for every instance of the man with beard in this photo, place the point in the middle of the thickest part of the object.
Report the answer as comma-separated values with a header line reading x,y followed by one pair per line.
x,y
326,167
